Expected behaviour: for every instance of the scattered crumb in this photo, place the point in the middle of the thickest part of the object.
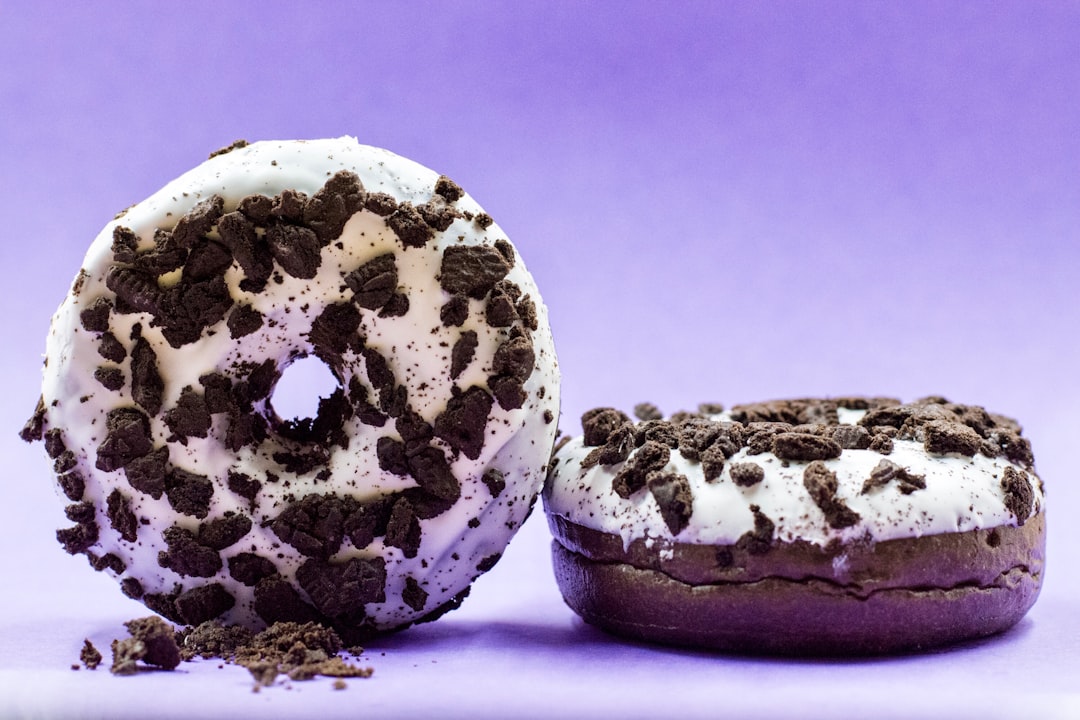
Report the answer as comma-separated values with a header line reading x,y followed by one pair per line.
x,y
299,651
89,656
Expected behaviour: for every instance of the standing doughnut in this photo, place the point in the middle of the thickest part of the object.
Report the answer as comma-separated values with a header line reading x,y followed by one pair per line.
x,y
157,403
844,526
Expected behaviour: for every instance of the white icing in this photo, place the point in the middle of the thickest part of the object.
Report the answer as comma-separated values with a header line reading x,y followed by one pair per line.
x,y
961,494
417,346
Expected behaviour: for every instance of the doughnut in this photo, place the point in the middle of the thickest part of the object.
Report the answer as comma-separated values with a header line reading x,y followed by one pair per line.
x,y
849,526
157,403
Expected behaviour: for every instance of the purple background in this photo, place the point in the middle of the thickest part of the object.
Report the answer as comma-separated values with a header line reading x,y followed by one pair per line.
x,y
719,201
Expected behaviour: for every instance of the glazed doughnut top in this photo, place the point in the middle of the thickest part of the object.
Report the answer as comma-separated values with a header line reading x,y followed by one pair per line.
x,y
816,471
157,398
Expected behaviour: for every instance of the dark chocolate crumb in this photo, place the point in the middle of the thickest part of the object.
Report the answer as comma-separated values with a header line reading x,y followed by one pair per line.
x,y
108,561
650,457
804,447
224,532
198,221
500,310
127,438
509,391
89,655
408,224
462,353
331,207
278,601
250,251
396,306
190,417
403,529
526,310
132,588
110,348
463,422
314,525
235,145
851,437
203,603
747,474
111,378
759,540
822,485
488,562
82,512
472,270
147,473
881,443
437,214
125,246
944,437
494,480
599,423
712,463
374,282
64,462
137,292
340,589
506,250
674,498
72,485
217,391
207,259
1019,497
146,383
186,556
1016,448
249,568
455,311
54,443
296,249
483,220
152,641
887,471
289,206
391,456
243,320
95,318
413,595
647,411
334,331
211,639
243,485
78,538
188,493
448,189
121,517
665,433
617,449
429,468
34,428
380,203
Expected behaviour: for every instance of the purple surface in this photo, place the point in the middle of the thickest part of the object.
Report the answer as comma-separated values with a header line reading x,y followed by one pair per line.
x,y
725,202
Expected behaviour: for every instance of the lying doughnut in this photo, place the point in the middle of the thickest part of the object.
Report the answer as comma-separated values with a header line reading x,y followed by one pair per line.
x,y
157,403
809,527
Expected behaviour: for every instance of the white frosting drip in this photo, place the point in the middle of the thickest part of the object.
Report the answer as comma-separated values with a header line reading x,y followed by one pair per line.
x,y
961,494
416,345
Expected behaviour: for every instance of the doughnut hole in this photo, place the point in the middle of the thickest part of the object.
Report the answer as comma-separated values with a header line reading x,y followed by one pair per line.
x,y
294,401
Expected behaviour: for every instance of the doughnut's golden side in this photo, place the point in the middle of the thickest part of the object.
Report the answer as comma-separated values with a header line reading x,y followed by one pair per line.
x,y
889,597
